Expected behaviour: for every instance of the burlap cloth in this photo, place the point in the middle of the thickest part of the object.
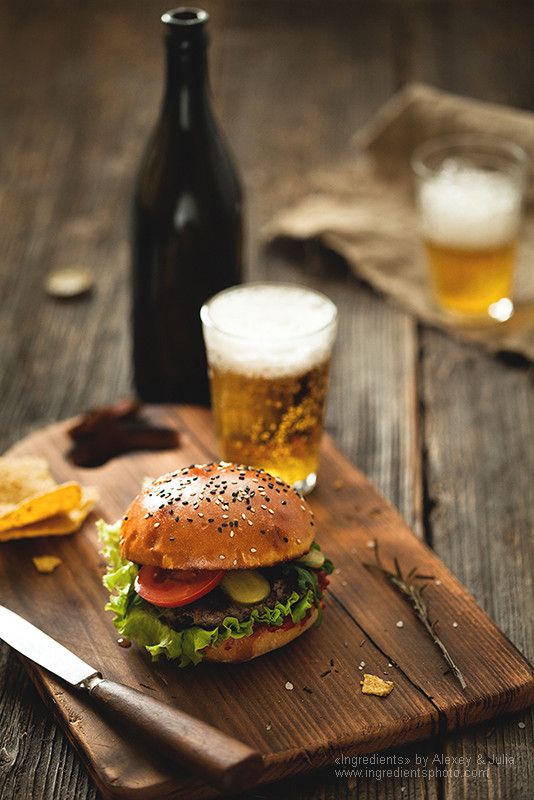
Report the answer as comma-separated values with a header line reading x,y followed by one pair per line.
x,y
364,210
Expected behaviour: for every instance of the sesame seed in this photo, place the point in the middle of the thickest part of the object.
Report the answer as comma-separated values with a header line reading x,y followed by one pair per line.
x,y
252,549
270,511
249,521
222,557
264,508
454,624
400,624
299,541
200,514
232,534
225,516
156,524
235,561
289,686
243,516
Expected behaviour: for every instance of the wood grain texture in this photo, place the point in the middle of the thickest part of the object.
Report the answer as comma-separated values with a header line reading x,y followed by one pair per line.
x,y
79,89
478,412
295,731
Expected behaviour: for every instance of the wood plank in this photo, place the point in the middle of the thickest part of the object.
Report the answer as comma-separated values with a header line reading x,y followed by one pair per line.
x,y
481,522
478,410
372,413
296,732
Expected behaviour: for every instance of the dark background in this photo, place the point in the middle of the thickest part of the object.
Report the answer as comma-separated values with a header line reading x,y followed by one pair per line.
x,y
445,431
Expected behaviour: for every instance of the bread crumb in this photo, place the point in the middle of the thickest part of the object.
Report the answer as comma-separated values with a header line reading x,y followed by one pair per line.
x,y
46,564
372,684
289,686
400,624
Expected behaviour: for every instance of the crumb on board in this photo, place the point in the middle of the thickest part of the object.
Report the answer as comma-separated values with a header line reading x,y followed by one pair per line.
x,y
338,484
400,624
46,564
289,686
372,684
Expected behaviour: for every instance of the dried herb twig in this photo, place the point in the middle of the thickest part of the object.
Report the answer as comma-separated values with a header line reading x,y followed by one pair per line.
x,y
405,584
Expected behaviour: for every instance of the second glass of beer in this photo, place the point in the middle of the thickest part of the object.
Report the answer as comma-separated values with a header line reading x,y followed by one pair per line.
x,y
469,192
269,348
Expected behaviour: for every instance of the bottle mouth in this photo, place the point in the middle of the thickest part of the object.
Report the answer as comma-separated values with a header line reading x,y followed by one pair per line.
x,y
185,17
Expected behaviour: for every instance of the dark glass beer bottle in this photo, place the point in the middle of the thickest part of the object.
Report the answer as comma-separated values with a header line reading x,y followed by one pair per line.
x,y
187,225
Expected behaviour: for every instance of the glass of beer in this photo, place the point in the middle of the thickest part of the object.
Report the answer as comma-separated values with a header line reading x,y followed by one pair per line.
x,y
469,191
269,348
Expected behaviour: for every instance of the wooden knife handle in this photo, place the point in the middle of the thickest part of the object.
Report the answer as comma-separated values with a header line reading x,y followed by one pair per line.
x,y
221,761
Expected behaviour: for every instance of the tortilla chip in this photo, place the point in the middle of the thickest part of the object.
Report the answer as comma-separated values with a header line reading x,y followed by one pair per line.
x,y
46,564
21,478
58,524
372,684
57,500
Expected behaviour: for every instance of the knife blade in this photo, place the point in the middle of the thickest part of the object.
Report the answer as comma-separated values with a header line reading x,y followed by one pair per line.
x,y
41,648
222,761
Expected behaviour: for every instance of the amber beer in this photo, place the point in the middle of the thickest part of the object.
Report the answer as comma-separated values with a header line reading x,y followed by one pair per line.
x,y
469,196
470,280
268,349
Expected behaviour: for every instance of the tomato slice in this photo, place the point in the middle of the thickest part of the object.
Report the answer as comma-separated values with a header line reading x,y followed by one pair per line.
x,y
170,588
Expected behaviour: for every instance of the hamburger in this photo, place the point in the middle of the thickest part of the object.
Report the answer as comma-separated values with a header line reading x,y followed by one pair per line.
x,y
214,562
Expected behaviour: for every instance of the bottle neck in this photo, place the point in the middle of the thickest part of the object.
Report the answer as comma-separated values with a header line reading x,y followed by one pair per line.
x,y
186,96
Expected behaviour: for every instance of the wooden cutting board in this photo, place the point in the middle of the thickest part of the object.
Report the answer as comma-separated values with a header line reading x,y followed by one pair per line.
x,y
296,730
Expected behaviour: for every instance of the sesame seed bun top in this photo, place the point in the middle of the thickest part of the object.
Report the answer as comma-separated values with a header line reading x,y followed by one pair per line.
x,y
216,516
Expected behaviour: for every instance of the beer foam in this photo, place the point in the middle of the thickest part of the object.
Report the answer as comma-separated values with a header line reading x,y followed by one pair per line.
x,y
465,207
269,330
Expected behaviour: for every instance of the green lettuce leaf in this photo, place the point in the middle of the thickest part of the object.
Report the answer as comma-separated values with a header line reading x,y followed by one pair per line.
x,y
137,620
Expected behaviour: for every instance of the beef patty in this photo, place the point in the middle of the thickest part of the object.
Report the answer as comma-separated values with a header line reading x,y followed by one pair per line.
x,y
209,611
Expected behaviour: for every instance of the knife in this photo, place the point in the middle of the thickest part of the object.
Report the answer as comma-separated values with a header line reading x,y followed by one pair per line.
x,y
220,760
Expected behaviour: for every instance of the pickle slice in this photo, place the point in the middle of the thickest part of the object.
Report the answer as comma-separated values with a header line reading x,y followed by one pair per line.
x,y
246,586
314,559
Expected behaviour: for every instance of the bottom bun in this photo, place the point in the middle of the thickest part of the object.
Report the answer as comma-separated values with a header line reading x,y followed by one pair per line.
x,y
261,641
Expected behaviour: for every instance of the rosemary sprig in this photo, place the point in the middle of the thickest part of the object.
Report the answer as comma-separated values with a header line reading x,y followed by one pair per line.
x,y
413,592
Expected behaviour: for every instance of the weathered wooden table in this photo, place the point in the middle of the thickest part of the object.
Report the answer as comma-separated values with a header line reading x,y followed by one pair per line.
x,y
445,431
